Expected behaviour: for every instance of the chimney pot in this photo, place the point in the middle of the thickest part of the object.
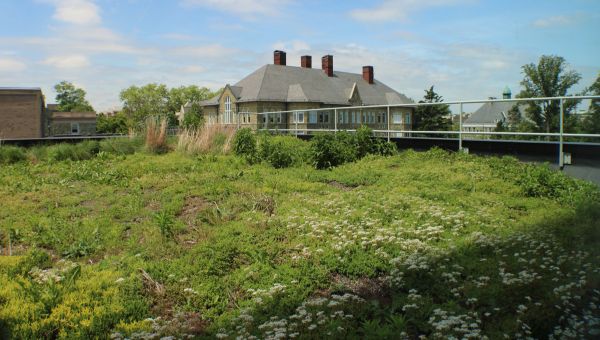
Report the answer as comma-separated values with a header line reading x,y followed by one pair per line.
x,y
327,65
306,61
279,57
368,74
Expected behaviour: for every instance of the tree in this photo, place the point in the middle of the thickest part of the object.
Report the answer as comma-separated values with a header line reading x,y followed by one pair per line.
x,y
158,99
432,117
117,123
148,100
71,98
591,123
549,78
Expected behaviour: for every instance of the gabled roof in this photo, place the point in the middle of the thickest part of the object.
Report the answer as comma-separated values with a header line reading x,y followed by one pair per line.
x,y
492,113
280,83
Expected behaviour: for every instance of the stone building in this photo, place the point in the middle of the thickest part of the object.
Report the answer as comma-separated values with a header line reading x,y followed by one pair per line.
x,y
69,123
487,117
21,113
301,90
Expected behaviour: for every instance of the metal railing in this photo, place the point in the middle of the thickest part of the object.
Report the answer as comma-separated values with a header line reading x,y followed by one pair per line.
x,y
560,135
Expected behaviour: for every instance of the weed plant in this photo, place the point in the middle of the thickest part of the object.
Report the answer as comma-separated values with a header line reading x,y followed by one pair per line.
x,y
155,130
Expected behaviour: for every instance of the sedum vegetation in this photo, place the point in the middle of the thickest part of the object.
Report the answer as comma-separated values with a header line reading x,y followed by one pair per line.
x,y
264,245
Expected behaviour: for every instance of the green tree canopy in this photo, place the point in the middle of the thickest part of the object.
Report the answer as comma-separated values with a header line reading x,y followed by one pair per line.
x,y
71,98
117,123
144,101
549,78
591,124
432,117
158,99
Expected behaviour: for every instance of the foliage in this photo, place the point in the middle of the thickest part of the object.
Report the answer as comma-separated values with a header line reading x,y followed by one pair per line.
x,y
591,123
432,117
283,151
157,99
156,134
11,154
71,98
165,222
115,124
74,152
121,146
206,139
549,78
193,119
433,244
244,144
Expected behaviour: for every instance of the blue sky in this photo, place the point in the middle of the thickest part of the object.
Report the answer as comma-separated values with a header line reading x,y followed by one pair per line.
x,y
468,49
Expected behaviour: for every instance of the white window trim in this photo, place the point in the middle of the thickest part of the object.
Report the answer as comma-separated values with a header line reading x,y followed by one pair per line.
x,y
78,129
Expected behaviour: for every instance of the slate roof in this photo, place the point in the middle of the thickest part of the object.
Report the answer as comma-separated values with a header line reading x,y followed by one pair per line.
x,y
280,83
491,113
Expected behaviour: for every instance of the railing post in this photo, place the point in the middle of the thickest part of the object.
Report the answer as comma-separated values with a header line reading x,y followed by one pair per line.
x,y
335,119
460,114
388,123
561,157
296,121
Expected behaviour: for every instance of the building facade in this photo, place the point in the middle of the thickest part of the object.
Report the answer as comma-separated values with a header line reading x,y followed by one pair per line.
x,y
21,113
291,96
487,117
69,123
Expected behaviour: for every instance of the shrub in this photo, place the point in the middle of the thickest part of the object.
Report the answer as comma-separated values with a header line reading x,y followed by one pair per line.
x,y
244,144
328,151
120,146
385,148
156,134
282,151
364,141
11,154
74,152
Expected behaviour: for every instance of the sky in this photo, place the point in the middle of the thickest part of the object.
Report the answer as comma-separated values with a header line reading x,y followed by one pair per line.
x,y
467,49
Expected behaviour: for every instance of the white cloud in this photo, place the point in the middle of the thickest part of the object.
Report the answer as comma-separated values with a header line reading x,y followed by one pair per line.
x,y
248,9
68,61
559,20
204,51
399,9
292,46
79,12
11,65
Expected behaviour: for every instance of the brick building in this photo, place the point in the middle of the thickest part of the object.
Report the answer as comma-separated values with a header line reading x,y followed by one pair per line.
x,y
21,113
279,87
24,115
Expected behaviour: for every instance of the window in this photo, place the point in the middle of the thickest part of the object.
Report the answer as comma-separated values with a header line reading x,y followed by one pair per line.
x,y
312,117
298,117
326,117
279,118
227,115
384,117
397,118
407,118
74,128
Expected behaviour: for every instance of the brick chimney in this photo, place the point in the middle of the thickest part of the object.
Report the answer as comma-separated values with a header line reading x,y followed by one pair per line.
x,y
306,61
279,57
368,74
327,65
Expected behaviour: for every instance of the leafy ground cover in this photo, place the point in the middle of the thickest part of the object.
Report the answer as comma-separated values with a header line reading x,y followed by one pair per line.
x,y
417,244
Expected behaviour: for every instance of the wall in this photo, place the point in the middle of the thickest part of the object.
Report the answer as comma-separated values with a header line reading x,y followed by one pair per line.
x,y
21,114
63,127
